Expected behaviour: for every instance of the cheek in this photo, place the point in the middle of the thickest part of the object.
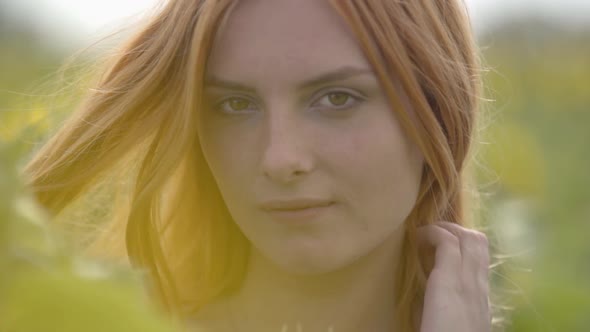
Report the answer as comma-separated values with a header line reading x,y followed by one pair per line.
x,y
380,174
224,149
222,155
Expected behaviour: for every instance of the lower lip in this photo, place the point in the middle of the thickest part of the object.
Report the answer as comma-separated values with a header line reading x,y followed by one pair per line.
x,y
301,214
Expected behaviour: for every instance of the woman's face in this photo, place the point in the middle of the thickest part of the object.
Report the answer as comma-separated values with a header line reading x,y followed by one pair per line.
x,y
295,112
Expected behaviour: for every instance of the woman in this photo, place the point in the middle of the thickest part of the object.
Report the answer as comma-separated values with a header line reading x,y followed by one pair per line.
x,y
300,164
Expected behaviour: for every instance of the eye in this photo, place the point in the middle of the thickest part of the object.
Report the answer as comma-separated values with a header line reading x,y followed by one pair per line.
x,y
337,100
234,105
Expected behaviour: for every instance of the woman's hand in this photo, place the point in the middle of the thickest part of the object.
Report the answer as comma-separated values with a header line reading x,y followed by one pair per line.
x,y
456,262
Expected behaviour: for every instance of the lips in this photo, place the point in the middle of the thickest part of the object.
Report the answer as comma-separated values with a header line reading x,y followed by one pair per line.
x,y
299,211
294,204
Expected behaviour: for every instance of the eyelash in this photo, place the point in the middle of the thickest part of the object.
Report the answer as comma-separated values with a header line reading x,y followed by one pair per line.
x,y
355,100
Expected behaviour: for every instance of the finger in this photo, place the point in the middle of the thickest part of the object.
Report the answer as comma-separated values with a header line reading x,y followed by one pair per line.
x,y
475,269
445,244
474,253
474,244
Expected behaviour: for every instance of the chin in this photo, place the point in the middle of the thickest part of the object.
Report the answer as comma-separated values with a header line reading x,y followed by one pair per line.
x,y
301,261
307,269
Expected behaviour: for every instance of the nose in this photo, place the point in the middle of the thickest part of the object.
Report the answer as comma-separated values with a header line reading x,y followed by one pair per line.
x,y
286,157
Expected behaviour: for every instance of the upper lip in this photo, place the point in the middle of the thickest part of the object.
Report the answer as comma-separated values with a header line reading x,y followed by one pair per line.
x,y
294,204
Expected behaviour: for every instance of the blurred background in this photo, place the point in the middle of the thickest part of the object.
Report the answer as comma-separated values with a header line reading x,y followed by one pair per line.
x,y
533,165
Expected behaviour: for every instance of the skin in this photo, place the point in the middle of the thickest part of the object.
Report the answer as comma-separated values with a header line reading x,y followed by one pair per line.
x,y
456,261
280,138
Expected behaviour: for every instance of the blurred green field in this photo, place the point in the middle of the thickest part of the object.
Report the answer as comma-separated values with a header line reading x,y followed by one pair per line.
x,y
537,147
533,164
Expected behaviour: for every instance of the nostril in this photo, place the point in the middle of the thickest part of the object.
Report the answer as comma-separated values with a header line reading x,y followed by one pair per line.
x,y
284,175
286,165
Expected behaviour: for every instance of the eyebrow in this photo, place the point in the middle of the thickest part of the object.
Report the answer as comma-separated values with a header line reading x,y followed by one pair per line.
x,y
339,74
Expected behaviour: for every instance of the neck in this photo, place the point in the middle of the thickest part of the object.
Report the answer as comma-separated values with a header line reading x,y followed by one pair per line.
x,y
359,297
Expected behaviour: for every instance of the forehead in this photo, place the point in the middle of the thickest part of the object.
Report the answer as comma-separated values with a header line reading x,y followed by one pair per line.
x,y
283,40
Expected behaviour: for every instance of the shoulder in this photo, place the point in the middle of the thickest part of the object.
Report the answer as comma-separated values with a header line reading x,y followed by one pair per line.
x,y
211,318
195,324
198,326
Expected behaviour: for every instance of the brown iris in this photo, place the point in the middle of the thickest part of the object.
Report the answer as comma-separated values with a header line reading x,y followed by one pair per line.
x,y
238,104
338,99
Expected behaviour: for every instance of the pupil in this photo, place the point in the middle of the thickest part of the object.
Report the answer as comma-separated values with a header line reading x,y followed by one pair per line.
x,y
338,99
